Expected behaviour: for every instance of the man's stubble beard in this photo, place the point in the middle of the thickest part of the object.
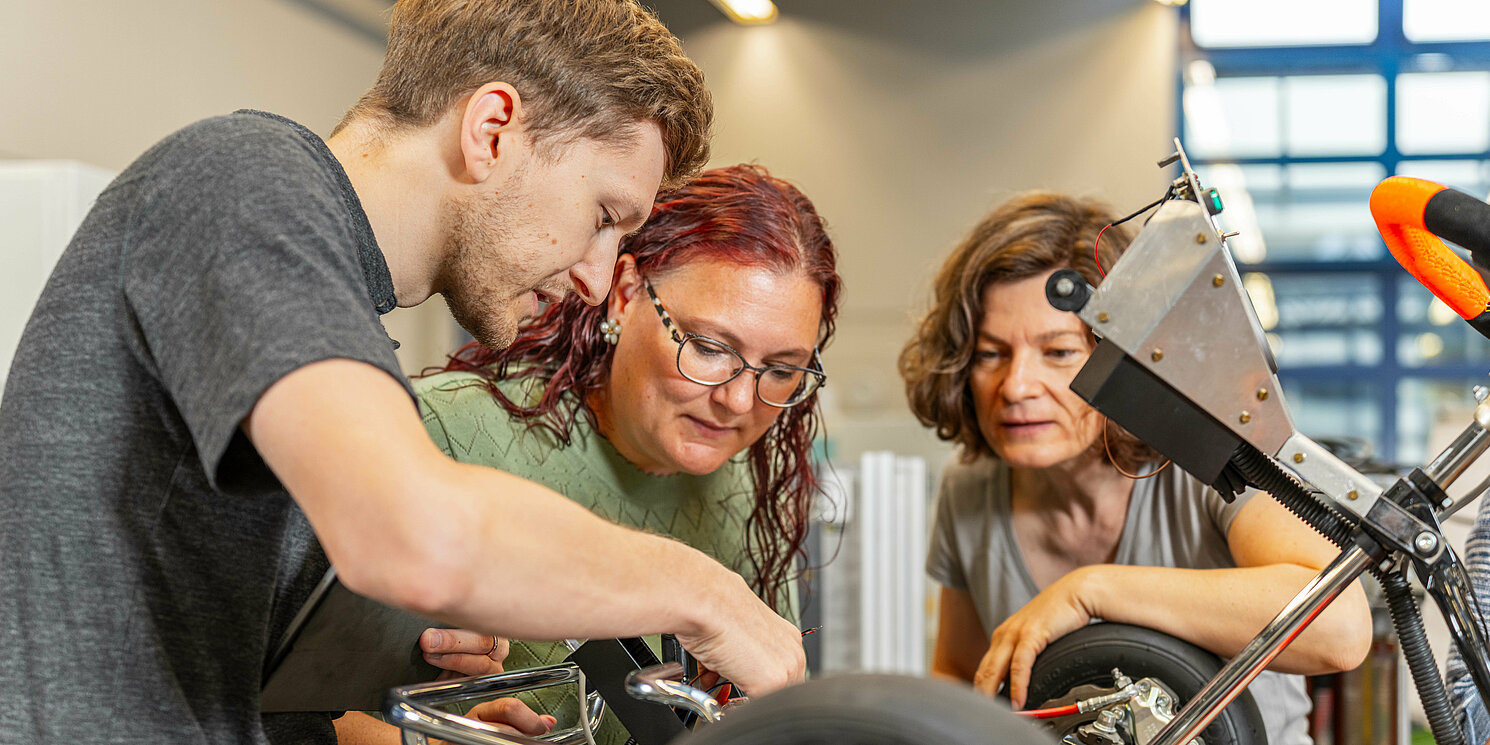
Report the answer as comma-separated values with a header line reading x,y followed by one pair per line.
x,y
479,285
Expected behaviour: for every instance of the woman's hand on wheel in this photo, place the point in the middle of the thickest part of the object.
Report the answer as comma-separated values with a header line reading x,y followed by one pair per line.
x,y
461,653
1058,610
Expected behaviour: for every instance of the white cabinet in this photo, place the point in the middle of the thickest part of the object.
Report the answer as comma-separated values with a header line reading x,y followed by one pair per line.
x,y
42,202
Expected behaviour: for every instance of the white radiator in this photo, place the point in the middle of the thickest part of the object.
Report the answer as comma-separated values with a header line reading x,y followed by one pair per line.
x,y
874,591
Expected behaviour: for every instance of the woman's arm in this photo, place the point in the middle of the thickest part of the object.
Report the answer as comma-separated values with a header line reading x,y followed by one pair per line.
x,y
1218,609
960,638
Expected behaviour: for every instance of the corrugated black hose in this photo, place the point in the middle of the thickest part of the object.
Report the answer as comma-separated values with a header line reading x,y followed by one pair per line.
x,y
1409,624
1260,471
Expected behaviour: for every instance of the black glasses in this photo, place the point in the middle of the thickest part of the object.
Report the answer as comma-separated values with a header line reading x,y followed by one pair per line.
x,y
709,362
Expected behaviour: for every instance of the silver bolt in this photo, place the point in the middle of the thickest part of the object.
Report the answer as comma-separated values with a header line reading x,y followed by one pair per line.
x,y
1481,393
1425,542
1064,287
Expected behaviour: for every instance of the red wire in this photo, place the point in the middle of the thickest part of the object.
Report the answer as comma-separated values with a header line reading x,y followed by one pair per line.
x,y
1058,711
1097,243
724,693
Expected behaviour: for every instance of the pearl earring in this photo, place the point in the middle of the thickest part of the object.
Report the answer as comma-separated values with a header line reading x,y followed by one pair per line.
x,y
610,330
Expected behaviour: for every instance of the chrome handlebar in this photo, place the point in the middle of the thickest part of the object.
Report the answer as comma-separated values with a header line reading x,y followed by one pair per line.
x,y
658,684
413,708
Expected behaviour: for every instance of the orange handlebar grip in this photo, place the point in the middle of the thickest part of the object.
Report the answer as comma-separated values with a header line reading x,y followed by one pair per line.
x,y
1397,205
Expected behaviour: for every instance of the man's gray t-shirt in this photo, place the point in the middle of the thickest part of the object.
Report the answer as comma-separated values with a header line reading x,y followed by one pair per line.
x,y
147,554
1173,520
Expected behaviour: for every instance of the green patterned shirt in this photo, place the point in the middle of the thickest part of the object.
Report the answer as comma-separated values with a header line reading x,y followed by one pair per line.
x,y
706,512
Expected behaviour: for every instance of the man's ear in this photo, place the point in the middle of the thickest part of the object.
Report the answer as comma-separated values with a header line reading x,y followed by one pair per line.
x,y
489,129
626,288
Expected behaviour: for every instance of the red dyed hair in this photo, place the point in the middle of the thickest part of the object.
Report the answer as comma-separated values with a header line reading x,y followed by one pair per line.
x,y
740,214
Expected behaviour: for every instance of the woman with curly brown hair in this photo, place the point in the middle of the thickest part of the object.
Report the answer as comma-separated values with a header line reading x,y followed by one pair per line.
x,y
1051,517
686,404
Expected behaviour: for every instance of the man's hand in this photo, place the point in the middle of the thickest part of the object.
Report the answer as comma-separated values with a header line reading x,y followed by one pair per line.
x,y
1058,610
747,643
462,653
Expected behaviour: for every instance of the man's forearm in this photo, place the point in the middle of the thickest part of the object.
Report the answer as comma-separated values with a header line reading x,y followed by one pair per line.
x,y
519,560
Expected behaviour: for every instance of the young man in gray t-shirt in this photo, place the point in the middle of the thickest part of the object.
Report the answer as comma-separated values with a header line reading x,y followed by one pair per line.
x,y
204,391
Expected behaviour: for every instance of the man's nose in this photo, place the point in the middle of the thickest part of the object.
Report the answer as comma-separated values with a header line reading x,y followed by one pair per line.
x,y
591,276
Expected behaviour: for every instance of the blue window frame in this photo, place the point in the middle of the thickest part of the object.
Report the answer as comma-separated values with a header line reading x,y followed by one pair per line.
x,y
1295,131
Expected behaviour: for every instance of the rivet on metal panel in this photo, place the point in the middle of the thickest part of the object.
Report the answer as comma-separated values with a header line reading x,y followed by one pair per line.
x,y
1298,457
1218,280
1262,394
1157,355
1102,317
1245,417
1352,495
1200,237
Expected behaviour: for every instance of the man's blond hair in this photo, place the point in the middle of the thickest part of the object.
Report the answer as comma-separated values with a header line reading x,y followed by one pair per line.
x,y
584,68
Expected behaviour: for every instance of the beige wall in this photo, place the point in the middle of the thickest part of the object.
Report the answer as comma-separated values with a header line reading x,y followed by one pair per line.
x,y
905,122
102,81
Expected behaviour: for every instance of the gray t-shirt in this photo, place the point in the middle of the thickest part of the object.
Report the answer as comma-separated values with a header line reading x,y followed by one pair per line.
x,y
147,554
1173,520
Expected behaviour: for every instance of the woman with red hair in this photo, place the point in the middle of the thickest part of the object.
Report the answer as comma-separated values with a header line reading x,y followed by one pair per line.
x,y
684,405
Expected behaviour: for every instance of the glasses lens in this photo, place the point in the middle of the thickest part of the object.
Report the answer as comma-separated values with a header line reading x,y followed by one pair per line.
x,y
707,361
784,386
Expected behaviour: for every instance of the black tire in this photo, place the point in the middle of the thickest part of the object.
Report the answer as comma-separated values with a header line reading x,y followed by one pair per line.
x,y
1088,655
863,709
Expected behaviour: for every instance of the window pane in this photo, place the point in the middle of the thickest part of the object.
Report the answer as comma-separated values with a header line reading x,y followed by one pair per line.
x,y
1431,333
1335,409
1319,319
1335,114
1233,117
1430,413
1443,112
1266,23
1446,20
1309,212
1469,176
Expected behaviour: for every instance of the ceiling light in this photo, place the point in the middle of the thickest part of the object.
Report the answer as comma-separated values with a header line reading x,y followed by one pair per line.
x,y
748,11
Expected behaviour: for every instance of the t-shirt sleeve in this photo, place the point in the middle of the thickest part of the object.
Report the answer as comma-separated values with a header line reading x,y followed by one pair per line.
x,y
1223,513
942,556
240,269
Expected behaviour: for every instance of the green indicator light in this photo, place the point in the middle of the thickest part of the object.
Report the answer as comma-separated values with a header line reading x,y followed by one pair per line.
x,y
1213,202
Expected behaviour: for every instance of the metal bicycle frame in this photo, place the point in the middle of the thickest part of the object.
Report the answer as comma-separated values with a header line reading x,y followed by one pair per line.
x,y
1175,307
